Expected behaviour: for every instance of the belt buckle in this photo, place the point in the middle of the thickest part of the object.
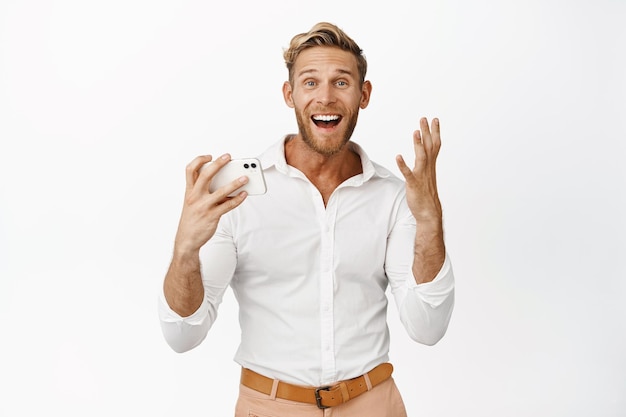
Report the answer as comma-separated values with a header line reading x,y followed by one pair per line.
x,y
318,399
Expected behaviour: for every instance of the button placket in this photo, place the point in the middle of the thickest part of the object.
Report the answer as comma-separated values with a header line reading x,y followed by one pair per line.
x,y
327,238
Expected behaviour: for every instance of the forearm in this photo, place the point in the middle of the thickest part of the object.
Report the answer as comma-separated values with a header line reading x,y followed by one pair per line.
x,y
190,299
182,287
429,250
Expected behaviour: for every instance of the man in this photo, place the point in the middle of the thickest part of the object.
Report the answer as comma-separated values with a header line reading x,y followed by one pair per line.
x,y
309,262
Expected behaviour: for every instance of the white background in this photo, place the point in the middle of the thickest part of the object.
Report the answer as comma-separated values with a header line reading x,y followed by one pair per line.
x,y
102,104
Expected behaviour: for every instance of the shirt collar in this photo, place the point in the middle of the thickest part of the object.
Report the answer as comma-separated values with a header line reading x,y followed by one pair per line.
x,y
274,156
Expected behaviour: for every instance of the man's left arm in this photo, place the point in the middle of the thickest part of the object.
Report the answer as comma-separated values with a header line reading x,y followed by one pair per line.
x,y
423,201
426,305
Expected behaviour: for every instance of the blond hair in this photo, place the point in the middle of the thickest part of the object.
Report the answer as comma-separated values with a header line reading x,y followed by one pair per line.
x,y
324,34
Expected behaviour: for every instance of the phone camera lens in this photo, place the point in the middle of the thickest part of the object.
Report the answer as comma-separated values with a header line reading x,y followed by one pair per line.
x,y
253,165
246,166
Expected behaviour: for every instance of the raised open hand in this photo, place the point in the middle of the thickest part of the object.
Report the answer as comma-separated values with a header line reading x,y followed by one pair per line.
x,y
421,181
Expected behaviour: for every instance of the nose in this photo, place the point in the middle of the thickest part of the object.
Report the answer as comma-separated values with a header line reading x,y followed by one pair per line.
x,y
326,94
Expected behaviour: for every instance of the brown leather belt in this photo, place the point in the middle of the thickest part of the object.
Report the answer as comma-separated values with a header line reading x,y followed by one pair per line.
x,y
323,397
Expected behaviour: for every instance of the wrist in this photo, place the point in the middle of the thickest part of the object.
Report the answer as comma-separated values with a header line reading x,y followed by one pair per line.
x,y
429,222
185,254
428,213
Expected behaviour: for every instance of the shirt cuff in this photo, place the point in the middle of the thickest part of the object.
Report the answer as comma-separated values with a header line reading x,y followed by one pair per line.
x,y
167,315
436,291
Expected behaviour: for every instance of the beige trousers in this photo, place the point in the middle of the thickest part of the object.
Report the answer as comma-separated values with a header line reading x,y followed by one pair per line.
x,y
383,400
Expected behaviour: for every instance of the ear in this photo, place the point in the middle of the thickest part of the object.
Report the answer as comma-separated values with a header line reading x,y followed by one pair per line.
x,y
366,92
288,94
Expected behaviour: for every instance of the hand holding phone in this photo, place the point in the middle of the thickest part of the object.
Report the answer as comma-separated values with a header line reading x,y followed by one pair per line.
x,y
236,168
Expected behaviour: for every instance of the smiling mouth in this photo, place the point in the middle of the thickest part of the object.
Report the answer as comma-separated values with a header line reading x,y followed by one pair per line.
x,y
326,120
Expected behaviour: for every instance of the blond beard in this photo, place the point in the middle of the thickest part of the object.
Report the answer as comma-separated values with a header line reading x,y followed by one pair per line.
x,y
308,136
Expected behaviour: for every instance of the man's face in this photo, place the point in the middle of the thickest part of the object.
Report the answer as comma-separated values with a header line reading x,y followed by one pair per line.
x,y
326,94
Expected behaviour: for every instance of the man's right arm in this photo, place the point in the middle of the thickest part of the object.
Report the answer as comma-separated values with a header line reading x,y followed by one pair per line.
x,y
183,287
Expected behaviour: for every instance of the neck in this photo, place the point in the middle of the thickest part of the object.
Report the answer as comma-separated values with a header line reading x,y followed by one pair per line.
x,y
326,172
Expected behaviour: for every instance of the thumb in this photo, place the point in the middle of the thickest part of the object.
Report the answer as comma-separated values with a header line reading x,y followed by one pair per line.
x,y
404,169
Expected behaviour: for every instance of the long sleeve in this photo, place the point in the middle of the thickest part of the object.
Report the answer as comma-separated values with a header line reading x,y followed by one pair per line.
x,y
218,259
424,309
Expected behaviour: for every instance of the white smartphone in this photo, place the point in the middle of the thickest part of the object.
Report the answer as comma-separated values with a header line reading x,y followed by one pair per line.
x,y
235,168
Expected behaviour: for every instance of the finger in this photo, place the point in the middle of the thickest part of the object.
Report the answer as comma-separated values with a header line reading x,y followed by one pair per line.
x,y
208,171
191,170
426,136
418,146
417,141
230,203
222,193
404,169
417,138
436,135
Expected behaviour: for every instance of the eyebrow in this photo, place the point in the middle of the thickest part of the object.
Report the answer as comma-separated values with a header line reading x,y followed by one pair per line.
x,y
313,71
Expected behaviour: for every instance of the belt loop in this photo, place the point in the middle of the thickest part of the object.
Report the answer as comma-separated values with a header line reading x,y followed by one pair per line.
x,y
274,389
367,381
345,395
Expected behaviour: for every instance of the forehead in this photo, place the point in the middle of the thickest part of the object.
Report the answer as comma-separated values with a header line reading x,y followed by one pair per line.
x,y
325,59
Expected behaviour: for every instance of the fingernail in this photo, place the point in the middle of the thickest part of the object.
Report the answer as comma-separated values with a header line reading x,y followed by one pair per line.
x,y
243,179
225,156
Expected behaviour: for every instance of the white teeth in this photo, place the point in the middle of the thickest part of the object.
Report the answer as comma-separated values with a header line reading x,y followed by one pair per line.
x,y
325,118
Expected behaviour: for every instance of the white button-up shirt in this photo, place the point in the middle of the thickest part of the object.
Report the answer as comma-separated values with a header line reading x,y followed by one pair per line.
x,y
311,280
